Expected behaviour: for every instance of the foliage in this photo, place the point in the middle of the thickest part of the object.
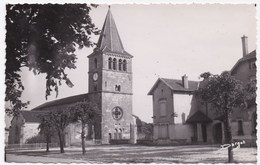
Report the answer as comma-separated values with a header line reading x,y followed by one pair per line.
x,y
144,128
87,113
43,38
58,120
46,128
225,94
36,139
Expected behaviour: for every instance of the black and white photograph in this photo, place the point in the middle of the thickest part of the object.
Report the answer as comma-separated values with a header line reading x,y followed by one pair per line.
x,y
107,83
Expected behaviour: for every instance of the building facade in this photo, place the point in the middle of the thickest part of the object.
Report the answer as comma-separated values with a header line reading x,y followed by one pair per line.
x,y
110,87
179,117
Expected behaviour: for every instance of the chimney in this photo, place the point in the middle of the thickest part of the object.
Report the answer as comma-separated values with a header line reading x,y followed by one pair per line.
x,y
244,45
185,81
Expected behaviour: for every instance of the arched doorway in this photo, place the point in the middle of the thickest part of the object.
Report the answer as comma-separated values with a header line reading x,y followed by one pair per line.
x,y
217,133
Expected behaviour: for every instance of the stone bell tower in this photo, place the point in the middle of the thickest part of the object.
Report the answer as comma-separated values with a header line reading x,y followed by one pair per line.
x,y
110,83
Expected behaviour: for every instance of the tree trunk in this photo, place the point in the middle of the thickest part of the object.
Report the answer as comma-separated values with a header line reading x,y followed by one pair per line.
x,y
228,136
60,134
47,143
83,139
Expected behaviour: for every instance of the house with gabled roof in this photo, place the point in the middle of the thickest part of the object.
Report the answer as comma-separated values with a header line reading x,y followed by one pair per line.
x,y
172,103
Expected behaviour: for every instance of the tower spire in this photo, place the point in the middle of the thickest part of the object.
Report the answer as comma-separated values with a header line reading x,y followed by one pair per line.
x,y
109,39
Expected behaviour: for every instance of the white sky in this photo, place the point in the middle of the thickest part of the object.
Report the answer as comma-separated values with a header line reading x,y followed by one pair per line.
x,y
166,41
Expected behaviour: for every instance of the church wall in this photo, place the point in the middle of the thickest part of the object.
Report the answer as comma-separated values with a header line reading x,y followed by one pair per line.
x,y
111,79
109,124
128,60
92,70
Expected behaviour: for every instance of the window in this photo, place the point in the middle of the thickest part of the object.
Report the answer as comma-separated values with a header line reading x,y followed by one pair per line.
x,y
120,64
120,133
110,63
96,65
117,113
110,136
163,131
162,107
114,63
115,134
95,87
124,65
117,88
240,127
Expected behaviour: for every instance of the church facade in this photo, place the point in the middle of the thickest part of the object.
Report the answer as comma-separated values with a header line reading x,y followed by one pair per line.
x,y
110,87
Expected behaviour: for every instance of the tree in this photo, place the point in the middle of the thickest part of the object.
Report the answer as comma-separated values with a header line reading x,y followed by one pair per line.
x,y
225,94
46,129
87,113
59,120
43,38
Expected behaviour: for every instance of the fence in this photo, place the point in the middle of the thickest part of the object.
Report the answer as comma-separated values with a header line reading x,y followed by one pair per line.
x,y
30,146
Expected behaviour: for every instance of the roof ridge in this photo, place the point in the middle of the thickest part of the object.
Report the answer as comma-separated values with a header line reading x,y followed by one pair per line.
x,y
57,101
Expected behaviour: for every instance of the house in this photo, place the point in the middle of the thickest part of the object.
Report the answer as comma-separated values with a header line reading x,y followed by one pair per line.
x,y
172,102
110,87
179,117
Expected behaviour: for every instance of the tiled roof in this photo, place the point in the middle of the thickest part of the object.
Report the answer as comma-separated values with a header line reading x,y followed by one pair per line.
x,y
109,40
67,100
176,85
249,56
199,117
30,116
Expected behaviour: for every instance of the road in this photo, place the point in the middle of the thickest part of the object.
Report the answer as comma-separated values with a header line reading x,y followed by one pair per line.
x,y
135,154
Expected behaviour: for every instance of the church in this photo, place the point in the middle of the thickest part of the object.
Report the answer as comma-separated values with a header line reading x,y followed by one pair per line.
x,y
110,86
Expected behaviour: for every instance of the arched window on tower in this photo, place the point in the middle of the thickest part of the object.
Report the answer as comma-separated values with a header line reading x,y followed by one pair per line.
x,y
110,63
114,63
124,65
96,65
120,64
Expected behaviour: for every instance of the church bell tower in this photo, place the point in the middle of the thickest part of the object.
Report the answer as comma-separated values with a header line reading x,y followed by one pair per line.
x,y
110,83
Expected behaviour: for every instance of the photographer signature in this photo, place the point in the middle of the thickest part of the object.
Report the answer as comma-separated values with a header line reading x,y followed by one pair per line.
x,y
235,145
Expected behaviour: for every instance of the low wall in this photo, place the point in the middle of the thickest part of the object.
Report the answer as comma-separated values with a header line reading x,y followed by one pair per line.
x,y
30,146
119,141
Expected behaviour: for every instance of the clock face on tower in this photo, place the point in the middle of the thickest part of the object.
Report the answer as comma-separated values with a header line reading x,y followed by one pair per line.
x,y
95,76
